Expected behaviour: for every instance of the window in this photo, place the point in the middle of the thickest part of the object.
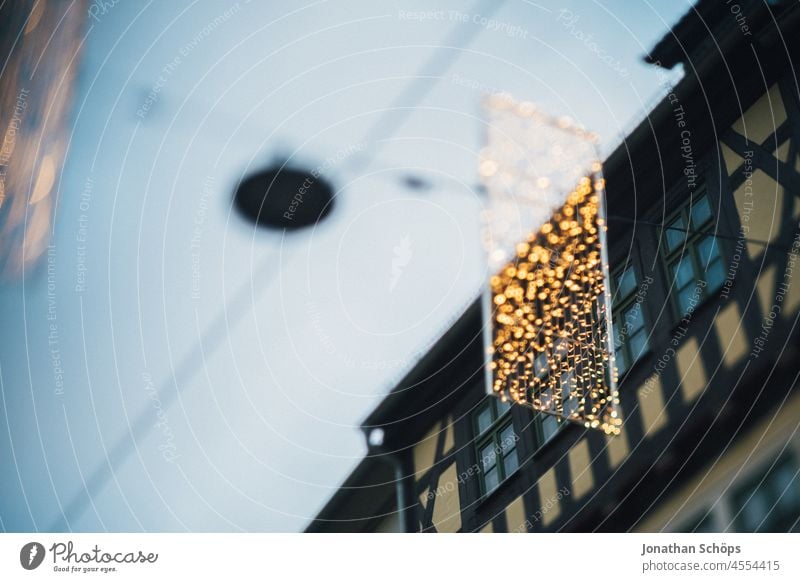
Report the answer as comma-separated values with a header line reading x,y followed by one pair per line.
x,y
495,443
694,260
765,501
769,502
548,425
630,335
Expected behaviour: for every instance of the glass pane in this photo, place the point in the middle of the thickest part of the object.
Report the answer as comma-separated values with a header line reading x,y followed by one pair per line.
x,y
549,426
715,275
510,462
488,456
685,297
560,347
634,321
754,512
570,406
491,479
638,344
675,233
789,485
622,361
701,212
569,402
566,382
771,501
484,418
619,334
626,284
508,439
546,397
683,272
502,407
540,367
786,487
709,250
781,491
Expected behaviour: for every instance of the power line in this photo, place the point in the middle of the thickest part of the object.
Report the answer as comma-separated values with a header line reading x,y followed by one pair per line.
x,y
426,78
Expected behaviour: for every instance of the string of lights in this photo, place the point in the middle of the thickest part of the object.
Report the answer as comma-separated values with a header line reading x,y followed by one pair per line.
x,y
549,348
548,302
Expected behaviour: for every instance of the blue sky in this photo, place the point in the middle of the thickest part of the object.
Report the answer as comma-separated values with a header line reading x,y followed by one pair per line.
x,y
234,365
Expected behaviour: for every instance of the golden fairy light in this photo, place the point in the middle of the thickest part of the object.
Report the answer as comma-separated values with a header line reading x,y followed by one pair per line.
x,y
547,303
34,127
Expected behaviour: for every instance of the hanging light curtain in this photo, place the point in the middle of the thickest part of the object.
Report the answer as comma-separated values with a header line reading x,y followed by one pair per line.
x,y
547,303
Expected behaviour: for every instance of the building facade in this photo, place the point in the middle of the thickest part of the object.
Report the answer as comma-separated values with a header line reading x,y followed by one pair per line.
x,y
703,200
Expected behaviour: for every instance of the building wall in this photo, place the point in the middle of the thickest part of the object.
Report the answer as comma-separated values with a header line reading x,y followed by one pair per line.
x,y
748,455
436,479
753,182
389,524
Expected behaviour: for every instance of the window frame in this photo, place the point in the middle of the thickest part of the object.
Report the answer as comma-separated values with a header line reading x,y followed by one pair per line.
x,y
692,237
541,439
501,420
742,493
723,513
539,417
619,306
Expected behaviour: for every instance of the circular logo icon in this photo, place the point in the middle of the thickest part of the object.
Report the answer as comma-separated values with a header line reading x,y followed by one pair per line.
x,y
31,555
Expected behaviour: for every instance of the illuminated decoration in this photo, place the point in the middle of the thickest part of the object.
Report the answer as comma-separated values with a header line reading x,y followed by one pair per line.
x,y
41,43
547,304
